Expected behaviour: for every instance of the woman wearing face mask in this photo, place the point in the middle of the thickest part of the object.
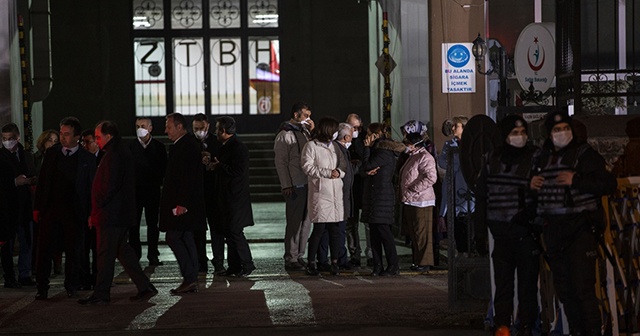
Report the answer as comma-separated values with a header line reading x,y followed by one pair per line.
x,y
417,177
505,204
325,167
571,179
378,198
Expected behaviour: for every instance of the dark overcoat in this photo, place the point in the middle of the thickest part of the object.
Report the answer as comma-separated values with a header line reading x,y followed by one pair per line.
x,y
184,186
232,184
81,199
378,199
113,194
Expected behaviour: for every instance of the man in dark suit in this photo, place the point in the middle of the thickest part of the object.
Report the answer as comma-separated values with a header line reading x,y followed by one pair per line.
x,y
21,170
62,206
182,209
150,160
90,256
234,200
356,151
90,145
113,212
210,147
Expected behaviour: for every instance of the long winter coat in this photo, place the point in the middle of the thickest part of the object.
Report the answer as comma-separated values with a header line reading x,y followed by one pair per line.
x,y
318,160
232,185
184,186
113,191
417,176
378,199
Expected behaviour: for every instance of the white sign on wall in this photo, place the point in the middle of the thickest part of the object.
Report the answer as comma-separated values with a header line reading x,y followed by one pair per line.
x,y
535,56
458,68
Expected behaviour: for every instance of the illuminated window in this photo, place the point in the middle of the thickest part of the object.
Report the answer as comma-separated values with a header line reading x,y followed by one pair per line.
x,y
218,57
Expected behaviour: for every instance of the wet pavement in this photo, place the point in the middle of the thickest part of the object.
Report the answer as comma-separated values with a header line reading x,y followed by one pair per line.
x,y
271,301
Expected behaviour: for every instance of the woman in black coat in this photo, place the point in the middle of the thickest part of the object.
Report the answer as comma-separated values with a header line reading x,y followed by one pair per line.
x,y
378,200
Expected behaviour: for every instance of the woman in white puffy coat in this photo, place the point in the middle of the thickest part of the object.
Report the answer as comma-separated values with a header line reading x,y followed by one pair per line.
x,y
417,176
325,167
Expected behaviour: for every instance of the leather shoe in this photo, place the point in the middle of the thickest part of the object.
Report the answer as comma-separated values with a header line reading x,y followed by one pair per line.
x,y
155,263
42,295
145,294
312,270
391,270
186,288
322,267
335,269
246,271
229,273
92,300
422,268
12,283
293,266
377,270
219,270
72,293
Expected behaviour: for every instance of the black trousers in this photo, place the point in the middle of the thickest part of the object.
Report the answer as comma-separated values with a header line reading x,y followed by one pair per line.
x,y
238,251
571,253
150,203
184,248
217,244
89,260
382,237
112,244
511,256
335,234
6,256
55,235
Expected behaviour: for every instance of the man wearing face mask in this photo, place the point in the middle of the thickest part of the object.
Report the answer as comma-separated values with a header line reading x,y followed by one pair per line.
x,y
210,149
356,151
505,204
20,172
570,180
291,138
150,160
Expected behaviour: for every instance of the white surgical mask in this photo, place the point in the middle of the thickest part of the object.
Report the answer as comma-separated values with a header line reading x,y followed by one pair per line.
x,y
335,136
9,144
201,134
517,141
355,134
561,139
141,132
347,144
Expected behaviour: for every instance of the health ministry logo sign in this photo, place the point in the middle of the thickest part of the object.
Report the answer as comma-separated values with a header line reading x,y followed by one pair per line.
x,y
535,56
458,70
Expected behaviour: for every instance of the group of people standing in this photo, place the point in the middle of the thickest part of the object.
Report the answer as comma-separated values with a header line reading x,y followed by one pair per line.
x,y
544,201
533,201
87,192
335,175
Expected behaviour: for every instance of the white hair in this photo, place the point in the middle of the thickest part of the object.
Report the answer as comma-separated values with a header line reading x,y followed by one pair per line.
x,y
344,129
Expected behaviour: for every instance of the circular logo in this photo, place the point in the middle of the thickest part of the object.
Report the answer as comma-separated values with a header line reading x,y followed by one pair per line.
x,y
458,56
155,70
534,56
264,105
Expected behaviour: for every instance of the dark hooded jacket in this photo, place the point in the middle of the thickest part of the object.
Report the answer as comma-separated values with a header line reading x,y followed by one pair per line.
x,y
378,199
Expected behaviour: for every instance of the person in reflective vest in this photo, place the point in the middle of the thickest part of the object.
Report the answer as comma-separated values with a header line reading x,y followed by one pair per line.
x,y
570,179
504,201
